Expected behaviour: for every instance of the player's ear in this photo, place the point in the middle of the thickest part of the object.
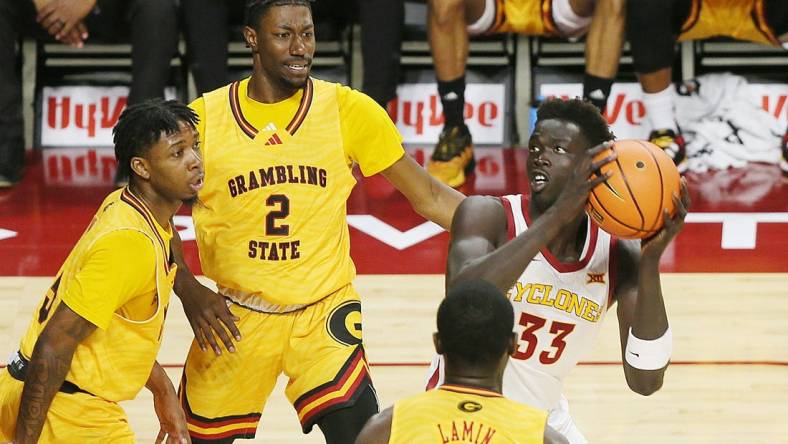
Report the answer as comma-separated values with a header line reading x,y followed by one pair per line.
x,y
512,344
140,167
437,341
250,36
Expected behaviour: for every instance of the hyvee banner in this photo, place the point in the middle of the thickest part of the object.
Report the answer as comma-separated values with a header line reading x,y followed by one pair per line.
x,y
627,116
82,116
418,113
79,166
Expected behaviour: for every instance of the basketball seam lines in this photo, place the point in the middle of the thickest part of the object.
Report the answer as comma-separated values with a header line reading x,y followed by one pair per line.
x,y
661,186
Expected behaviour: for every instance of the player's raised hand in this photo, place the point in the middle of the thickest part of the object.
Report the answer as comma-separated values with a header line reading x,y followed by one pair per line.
x,y
209,317
655,245
585,177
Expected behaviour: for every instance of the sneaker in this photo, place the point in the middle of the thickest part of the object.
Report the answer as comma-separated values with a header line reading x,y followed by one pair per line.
x,y
6,182
453,156
673,144
784,160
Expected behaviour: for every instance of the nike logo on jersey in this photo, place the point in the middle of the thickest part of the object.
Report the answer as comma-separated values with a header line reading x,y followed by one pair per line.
x,y
637,355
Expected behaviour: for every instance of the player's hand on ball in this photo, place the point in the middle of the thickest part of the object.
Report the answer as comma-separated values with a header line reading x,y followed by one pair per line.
x,y
209,317
655,245
585,177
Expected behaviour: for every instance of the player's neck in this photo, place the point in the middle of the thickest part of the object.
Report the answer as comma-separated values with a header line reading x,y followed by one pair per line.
x,y
567,245
473,376
162,209
480,382
265,90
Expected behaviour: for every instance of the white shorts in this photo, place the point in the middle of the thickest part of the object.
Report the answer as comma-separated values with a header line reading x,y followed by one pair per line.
x,y
568,22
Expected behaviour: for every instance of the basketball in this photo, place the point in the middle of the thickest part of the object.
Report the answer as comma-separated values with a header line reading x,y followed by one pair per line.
x,y
629,204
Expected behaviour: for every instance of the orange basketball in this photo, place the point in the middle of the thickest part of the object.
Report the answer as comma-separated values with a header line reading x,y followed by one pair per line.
x,y
629,204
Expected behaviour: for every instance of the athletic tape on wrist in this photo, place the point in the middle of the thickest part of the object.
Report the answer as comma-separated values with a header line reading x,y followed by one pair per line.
x,y
649,355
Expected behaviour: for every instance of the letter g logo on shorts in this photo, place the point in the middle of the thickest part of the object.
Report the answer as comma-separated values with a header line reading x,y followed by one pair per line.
x,y
344,323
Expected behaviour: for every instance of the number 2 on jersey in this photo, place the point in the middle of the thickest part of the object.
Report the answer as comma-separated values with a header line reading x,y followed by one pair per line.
x,y
532,324
272,228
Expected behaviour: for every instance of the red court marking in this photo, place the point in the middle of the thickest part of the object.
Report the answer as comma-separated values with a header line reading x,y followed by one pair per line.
x,y
49,217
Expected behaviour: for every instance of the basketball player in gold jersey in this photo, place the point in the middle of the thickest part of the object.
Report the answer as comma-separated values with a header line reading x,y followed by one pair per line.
x,y
654,27
451,23
94,338
475,337
271,229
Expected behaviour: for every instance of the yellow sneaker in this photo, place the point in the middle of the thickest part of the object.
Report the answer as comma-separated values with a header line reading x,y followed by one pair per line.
x,y
673,144
453,157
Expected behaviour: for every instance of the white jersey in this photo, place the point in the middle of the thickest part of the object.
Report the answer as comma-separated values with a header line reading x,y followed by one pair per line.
x,y
558,311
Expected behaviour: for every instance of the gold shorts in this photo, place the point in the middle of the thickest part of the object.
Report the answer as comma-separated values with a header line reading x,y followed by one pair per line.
x,y
528,17
318,348
72,418
740,19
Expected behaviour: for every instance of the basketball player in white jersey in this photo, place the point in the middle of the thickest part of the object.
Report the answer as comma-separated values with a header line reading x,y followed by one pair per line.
x,y
562,273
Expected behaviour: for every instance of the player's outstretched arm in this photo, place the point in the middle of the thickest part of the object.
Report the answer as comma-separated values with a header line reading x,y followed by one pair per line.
x,y
206,311
646,339
377,430
428,197
172,421
47,370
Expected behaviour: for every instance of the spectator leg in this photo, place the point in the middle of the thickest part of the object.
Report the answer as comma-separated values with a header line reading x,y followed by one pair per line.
x,y
206,27
154,40
13,15
381,40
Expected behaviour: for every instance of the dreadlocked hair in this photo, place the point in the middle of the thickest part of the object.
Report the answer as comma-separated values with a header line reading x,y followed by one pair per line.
x,y
141,125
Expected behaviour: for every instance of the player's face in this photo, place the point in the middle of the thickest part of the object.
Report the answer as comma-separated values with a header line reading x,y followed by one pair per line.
x,y
175,165
286,44
552,150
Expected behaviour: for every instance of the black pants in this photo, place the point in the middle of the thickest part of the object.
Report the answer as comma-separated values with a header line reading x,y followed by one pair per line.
x,y
654,25
152,25
206,24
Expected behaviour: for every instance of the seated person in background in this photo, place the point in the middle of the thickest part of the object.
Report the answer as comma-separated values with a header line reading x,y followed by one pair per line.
x,y
451,22
207,25
654,27
94,337
475,336
72,22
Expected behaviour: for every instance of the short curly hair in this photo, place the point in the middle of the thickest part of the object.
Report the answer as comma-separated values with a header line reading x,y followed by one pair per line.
x,y
475,323
581,113
256,9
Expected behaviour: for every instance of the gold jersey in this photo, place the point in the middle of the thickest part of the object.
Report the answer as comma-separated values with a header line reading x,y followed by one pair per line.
x,y
740,19
271,218
529,17
461,414
119,277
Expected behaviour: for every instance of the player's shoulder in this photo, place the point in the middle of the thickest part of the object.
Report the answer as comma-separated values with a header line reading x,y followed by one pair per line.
x,y
349,98
480,216
487,210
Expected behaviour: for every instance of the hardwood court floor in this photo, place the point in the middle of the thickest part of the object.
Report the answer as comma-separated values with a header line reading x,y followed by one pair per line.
x,y
728,382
